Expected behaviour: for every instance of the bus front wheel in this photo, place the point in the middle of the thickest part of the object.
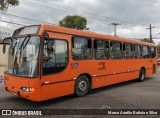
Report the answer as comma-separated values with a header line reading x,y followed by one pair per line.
x,y
142,74
81,86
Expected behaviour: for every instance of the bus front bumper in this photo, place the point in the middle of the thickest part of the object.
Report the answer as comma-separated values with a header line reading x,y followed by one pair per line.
x,y
33,96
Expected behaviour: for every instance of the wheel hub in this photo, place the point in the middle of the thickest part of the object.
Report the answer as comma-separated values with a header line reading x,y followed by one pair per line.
x,y
82,86
142,75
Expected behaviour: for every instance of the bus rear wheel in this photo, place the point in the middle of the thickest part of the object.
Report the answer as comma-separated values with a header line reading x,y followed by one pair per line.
x,y
142,74
82,86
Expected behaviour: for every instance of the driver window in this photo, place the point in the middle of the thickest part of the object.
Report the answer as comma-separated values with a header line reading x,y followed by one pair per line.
x,y
55,57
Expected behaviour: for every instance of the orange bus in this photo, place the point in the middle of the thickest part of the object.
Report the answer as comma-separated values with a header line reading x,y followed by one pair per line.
x,y
46,62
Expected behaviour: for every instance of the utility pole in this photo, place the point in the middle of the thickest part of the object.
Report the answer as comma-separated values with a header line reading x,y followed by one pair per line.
x,y
150,28
114,25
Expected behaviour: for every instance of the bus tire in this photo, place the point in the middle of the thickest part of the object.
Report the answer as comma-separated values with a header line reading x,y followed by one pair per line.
x,y
81,86
142,75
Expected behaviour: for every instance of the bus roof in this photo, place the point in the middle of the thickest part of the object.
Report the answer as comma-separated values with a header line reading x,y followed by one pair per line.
x,y
69,31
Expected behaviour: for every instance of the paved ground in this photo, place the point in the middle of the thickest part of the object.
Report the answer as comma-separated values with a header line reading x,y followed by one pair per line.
x,y
132,95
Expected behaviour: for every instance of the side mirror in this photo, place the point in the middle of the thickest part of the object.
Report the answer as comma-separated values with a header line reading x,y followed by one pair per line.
x,y
5,41
46,35
47,40
4,48
50,45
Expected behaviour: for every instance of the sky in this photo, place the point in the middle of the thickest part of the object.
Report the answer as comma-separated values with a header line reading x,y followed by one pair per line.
x,y
133,15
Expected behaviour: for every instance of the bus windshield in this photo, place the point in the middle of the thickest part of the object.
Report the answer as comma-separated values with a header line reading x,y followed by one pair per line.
x,y
23,56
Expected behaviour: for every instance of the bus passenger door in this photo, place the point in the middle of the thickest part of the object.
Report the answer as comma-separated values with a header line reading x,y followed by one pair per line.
x,y
56,81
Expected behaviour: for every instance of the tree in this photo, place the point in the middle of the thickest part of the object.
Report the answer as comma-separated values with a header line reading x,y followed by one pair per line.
x,y
158,48
4,4
74,22
147,40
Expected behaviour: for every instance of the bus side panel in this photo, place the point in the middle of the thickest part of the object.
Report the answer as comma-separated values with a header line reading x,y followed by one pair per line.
x,y
119,71
57,90
149,65
123,66
92,67
113,79
149,72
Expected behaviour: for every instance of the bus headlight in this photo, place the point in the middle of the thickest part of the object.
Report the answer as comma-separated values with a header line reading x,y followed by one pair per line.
x,y
27,89
3,82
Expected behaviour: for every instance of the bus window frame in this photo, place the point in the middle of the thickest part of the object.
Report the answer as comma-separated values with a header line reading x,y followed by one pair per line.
x,y
42,56
132,50
38,76
92,44
148,47
106,40
140,49
121,47
155,51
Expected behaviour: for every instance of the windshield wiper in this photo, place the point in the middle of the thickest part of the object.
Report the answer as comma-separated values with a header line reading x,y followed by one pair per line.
x,y
14,48
24,45
12,42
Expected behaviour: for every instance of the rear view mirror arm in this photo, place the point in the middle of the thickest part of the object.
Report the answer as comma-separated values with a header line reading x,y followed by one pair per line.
x,y
4,44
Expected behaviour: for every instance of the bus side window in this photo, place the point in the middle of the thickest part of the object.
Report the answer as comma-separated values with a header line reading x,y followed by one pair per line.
x,y
101,49
145,51
55,57
81,48
152,52
127,47
116,50
138,53
132,50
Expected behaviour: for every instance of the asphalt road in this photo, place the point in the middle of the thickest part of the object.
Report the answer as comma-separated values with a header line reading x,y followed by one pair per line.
x,y
127,95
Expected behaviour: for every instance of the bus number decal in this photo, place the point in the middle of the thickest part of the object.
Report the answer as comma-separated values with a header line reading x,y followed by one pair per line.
x,y
102,66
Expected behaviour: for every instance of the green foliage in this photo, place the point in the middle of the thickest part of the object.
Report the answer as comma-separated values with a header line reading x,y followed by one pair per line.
x,y
147,40
74,22
158,48
4,4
